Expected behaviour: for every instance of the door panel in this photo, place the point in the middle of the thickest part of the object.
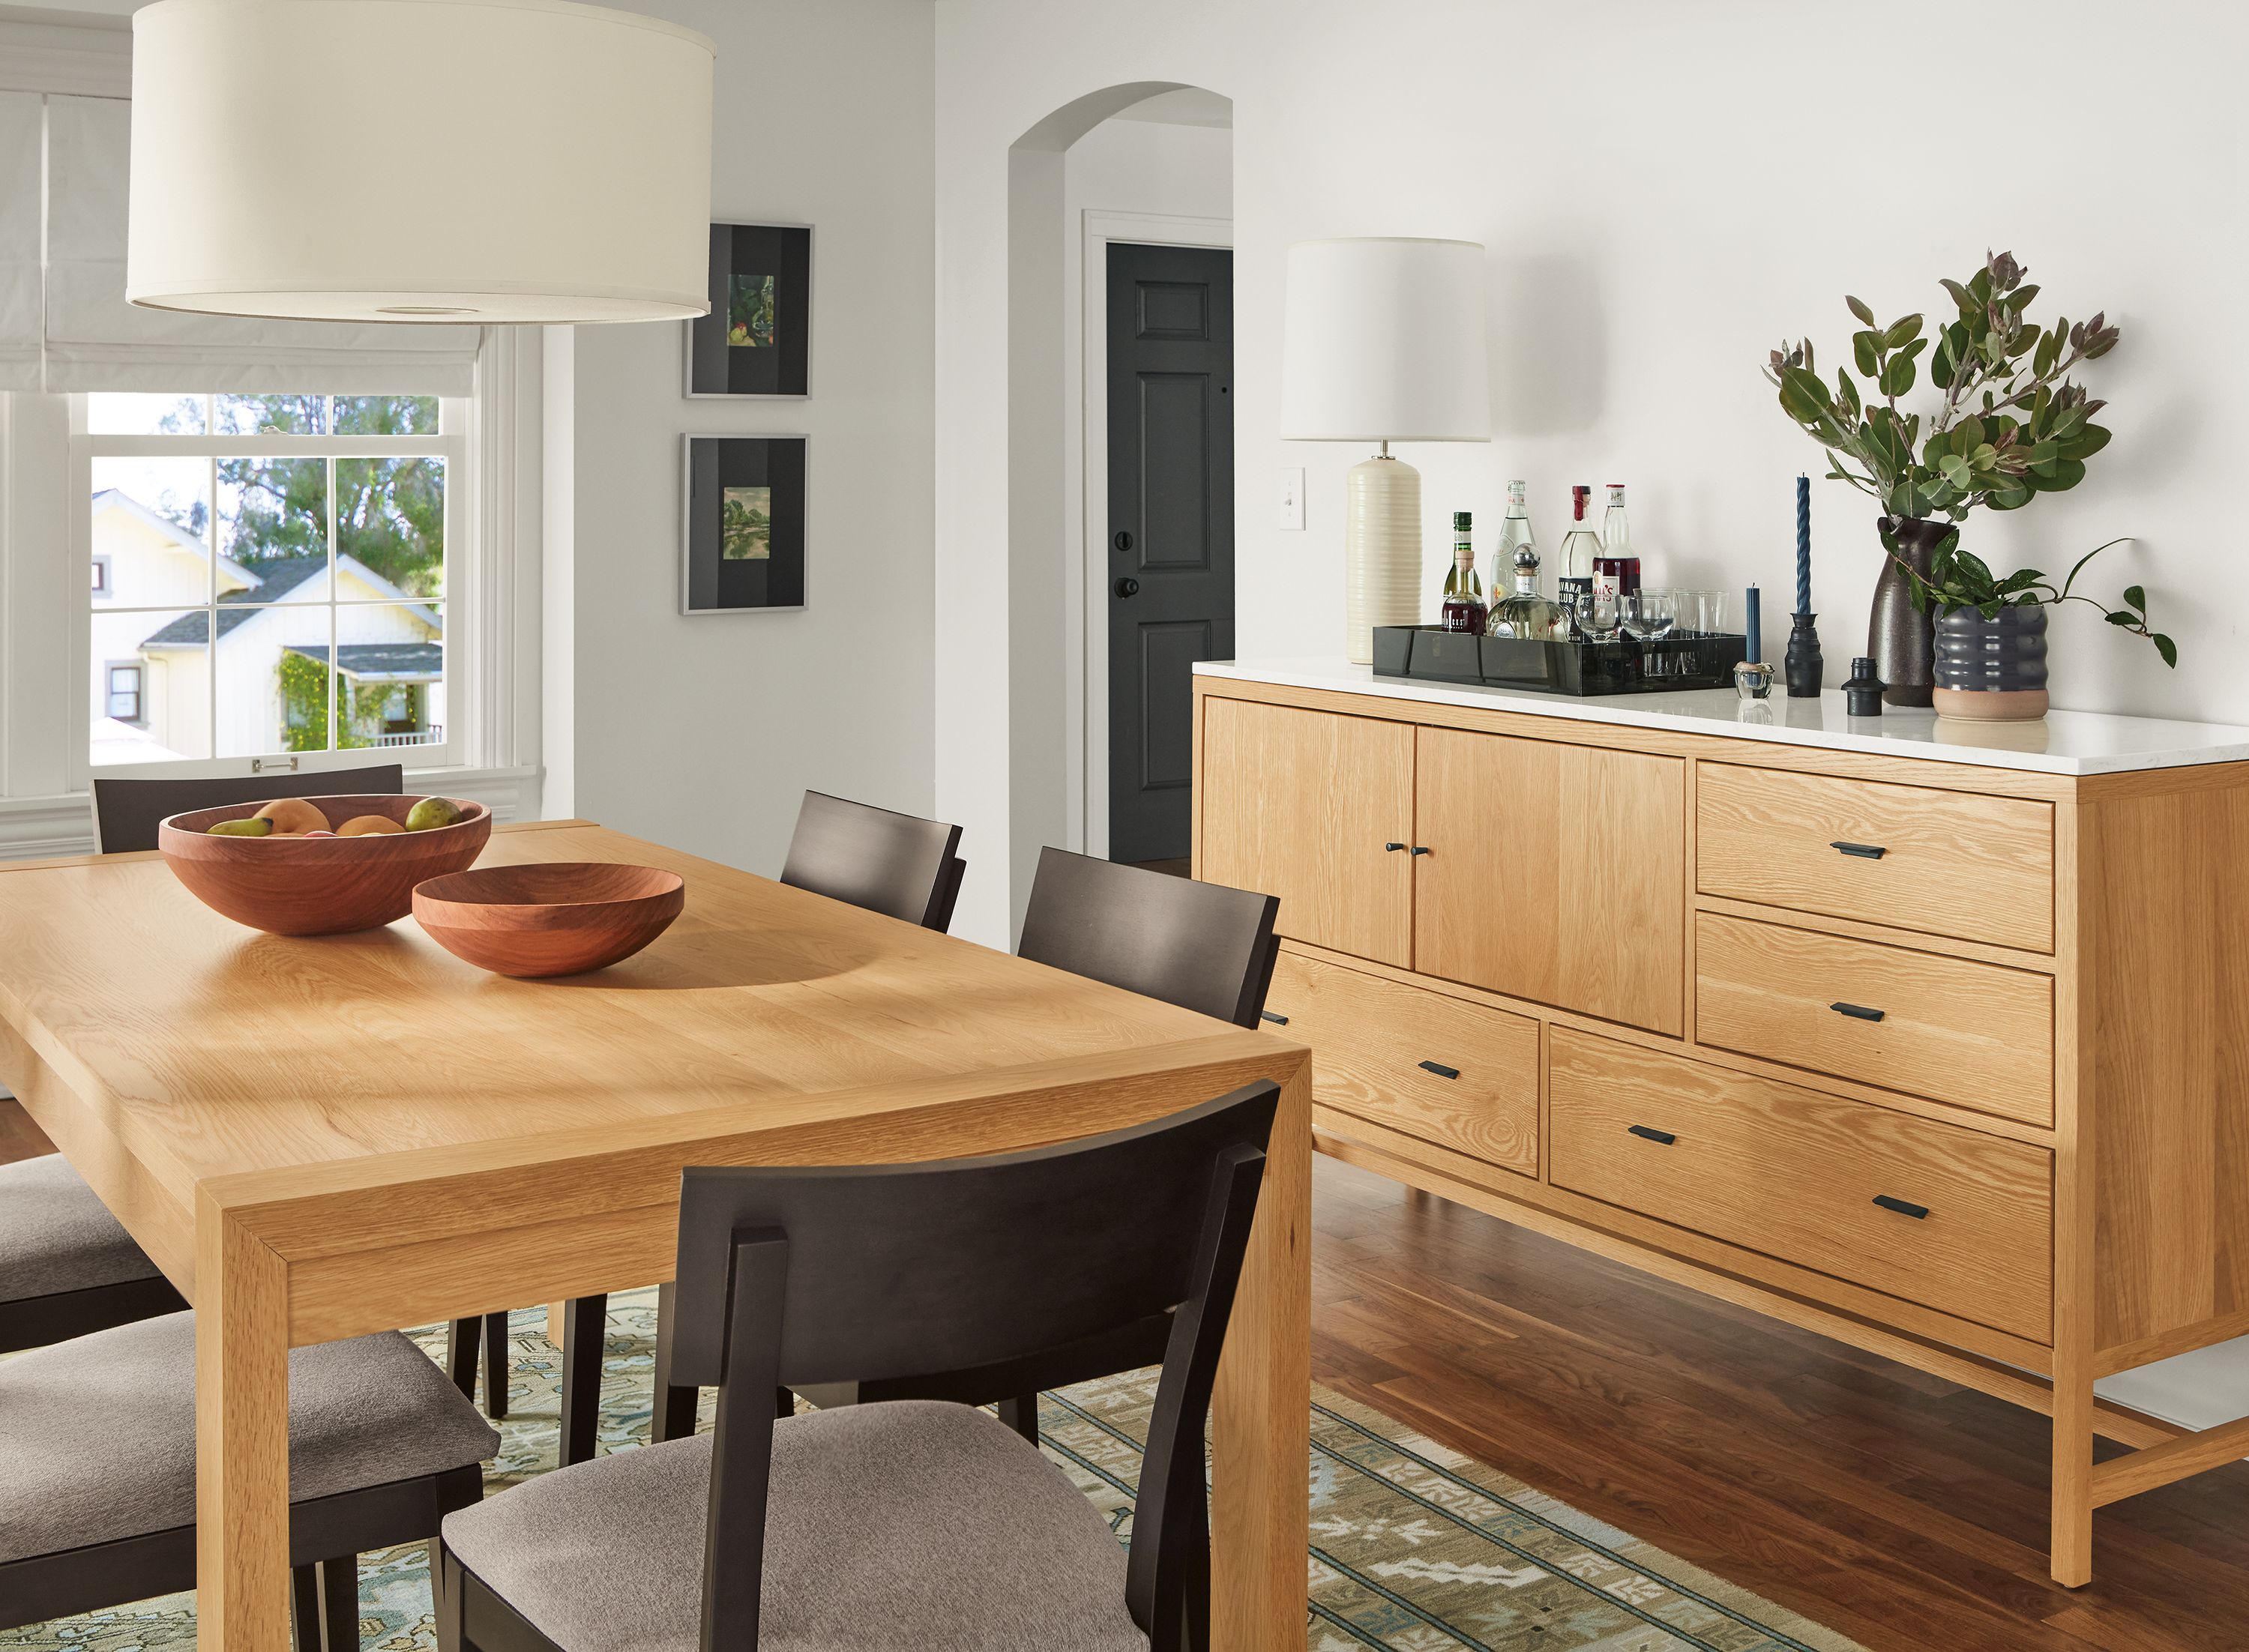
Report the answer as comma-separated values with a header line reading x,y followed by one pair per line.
x,y
1554,872
1300,804
1170,557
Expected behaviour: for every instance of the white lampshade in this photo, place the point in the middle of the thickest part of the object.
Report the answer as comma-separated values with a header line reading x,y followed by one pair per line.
x,y
1383,340
474,161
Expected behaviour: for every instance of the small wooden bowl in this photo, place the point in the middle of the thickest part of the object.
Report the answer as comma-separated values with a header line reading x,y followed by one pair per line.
x,y
318,886
561,918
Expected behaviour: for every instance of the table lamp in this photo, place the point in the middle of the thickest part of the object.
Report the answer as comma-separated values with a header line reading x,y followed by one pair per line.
x,y
1383,341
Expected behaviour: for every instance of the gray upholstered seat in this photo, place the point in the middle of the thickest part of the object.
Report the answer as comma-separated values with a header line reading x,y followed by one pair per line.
x,y
909,1525
55,1236
98,1434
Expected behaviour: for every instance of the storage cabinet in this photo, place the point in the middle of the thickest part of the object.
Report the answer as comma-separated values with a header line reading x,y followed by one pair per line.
x,y
1940,1051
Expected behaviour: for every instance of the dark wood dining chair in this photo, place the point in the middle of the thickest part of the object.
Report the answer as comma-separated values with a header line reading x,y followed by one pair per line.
x,y
920,1522
899,865
67,1267
97,1501
126,812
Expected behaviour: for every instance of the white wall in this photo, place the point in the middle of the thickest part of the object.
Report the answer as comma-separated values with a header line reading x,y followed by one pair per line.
x,y
704,732
1666,190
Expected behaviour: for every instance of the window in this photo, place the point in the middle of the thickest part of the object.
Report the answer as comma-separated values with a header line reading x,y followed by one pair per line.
x,y
269,573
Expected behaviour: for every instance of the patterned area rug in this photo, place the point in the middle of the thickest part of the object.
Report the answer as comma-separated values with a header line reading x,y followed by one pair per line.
x,y
1414,1547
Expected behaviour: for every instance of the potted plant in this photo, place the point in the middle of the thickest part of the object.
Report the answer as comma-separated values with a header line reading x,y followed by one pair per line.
x,y
2011,425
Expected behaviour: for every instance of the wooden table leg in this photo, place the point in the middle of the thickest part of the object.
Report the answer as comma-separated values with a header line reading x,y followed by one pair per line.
x,y
1260,1443
242,1439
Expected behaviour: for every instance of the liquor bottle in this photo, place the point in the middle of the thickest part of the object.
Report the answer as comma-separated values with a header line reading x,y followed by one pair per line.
x,y
1581,545
1616,570
1523,613
1463,609
1514,534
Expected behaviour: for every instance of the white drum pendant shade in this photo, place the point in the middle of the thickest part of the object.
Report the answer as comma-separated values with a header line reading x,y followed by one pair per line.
x,y
471,160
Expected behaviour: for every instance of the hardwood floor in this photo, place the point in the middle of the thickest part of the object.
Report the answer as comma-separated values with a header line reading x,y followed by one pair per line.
x,y
1891,1506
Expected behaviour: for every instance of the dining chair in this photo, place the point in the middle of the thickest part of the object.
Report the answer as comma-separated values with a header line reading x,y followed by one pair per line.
x,y
97,1501
899,865
916,1523
67,1268
126,812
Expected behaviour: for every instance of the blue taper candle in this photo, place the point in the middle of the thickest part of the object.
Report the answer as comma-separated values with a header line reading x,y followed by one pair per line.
x,y
1755,629
1804,544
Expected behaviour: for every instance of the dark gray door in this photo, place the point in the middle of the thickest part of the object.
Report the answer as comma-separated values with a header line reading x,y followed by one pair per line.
x,y
1171,528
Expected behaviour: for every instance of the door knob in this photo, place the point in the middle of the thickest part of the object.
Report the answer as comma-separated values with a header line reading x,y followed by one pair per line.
x,y
1122,539
1128,587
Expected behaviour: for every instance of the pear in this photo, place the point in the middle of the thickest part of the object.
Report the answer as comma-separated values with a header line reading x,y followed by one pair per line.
x,y
256,827
430,813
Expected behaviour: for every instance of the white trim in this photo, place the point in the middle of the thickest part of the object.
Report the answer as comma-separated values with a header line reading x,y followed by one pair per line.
x,y
1086,575
46,51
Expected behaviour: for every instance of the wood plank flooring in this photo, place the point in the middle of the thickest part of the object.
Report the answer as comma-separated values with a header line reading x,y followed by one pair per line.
x,y
1896,1508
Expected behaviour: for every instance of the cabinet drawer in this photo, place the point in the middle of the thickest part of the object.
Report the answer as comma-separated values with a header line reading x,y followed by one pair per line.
x,y
1795,1175
1977,868
1974,1034
1449,1072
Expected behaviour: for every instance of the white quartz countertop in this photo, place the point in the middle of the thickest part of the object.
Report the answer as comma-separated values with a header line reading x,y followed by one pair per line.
x,y
2073,743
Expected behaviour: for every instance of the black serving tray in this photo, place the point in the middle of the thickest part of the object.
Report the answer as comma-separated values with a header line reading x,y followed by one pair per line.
x,y
1623,666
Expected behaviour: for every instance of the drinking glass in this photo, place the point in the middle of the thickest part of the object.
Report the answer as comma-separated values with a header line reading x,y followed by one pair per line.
x,y
1594,611
1703,613
1646,616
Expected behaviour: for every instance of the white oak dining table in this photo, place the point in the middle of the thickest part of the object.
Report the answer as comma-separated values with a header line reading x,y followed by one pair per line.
x,y
317,1138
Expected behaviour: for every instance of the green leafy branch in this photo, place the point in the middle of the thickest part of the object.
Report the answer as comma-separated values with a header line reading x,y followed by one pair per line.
x,y
1959,579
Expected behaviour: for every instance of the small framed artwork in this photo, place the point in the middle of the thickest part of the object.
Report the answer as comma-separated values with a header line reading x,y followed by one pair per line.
x,y
743,549
757,340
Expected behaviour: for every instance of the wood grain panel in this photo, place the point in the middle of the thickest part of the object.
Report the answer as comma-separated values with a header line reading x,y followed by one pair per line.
x,y
1556,872
1794,1175
1951,1029
1980,868
1299,805
1369,1038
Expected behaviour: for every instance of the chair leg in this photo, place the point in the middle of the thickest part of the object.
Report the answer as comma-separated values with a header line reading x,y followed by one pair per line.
x,y
1022,1414
496,1365
584,1323
305,1608
461,1356
673,1415
340,1604
784,1403
445,1594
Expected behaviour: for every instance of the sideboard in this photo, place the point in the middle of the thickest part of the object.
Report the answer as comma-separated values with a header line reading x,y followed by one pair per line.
x,y
1931,1039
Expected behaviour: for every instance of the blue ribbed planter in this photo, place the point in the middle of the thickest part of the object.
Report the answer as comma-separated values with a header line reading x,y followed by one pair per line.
x,y
1992,670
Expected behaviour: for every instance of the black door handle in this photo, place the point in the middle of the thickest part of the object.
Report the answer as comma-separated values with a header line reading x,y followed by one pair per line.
x,y
1864,851
1128,587
1393,848
1663,1137
1918,1212
1418,849
1277,1020
1441,1069
1856,1012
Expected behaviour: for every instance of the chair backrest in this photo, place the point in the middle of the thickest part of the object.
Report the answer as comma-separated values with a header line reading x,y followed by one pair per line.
x,y
126,812
1202,946
795,1277
898,865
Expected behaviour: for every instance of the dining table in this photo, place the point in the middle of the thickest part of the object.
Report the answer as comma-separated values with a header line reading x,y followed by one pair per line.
x,y
317,1138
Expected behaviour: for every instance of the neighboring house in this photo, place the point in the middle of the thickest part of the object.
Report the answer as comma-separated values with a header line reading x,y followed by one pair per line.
x,y
152,686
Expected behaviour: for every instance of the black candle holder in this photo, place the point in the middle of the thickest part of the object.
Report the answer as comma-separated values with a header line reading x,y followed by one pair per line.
x,y
1862,695
1802,663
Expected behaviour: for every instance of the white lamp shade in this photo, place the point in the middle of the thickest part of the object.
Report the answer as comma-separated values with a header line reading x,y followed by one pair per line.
x,y
473,161
1383,340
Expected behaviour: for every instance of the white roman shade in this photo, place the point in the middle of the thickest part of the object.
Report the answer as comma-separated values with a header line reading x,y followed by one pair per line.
x,y
19,240
91,339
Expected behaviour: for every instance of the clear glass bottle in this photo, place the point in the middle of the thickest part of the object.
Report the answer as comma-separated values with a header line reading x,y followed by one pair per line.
x,y
1616,570
1514,534
1463,609
1581,545
1523,612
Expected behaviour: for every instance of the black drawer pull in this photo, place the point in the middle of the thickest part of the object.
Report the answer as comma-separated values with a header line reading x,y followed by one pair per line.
x,y
1856,1012
1418,849
1441,1069
1277,1020
1646,1133
1393,848
1918,1212
1864,851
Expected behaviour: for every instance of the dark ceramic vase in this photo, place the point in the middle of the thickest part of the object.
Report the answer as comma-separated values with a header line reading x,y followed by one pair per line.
x,y
1992,670
1899,635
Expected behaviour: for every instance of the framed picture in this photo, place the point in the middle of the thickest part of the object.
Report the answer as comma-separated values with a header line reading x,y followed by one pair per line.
x,y
757,340
743,549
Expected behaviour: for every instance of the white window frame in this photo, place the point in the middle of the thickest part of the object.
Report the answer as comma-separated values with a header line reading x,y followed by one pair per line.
x,y
139,670
450,443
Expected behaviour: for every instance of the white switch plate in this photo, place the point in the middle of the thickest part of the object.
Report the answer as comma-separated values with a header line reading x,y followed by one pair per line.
x,y
1292,498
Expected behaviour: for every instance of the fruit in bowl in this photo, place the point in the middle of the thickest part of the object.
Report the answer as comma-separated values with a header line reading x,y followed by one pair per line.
x,y
308,872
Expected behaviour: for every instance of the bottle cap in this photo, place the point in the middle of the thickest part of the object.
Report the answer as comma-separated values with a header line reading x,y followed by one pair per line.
x,y
1459,521
1515,493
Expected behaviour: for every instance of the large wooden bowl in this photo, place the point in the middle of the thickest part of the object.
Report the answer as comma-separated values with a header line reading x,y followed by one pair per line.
x,y
318,886
562,918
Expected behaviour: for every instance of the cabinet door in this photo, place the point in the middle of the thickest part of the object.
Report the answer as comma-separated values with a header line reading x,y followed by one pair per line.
x,y
1554,872
1300,804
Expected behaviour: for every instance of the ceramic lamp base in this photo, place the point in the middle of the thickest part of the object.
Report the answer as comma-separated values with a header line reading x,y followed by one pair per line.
x,y
1981,705
1381,551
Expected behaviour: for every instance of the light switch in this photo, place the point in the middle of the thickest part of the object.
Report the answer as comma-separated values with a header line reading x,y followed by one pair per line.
x,y
1292,498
